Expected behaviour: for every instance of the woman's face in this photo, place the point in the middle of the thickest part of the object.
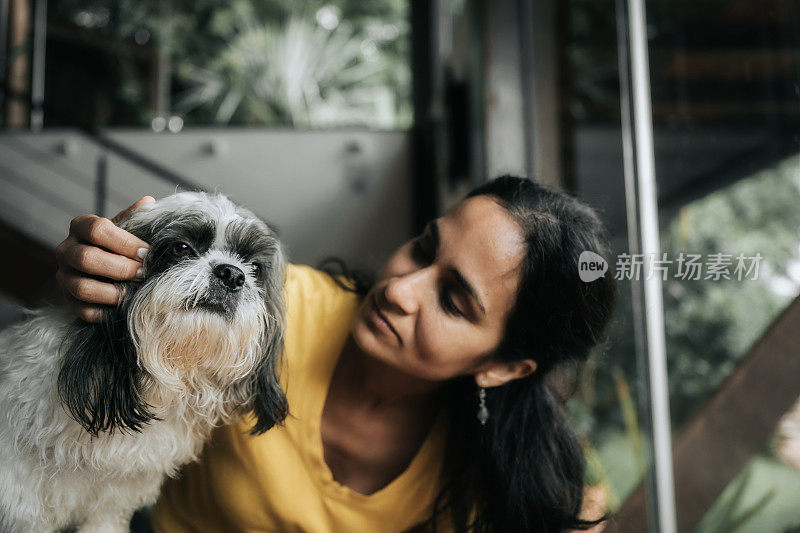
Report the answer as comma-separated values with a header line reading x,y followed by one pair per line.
x,y
441,301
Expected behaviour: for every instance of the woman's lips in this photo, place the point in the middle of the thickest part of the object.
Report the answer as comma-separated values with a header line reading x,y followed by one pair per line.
x,y
381,322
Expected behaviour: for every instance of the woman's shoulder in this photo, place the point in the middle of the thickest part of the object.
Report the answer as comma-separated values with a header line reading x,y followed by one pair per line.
x,y
306,279
317,311
309,292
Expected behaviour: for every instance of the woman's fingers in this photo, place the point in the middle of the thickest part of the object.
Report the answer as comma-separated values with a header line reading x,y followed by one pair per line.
x,y
125,213
84,311
102,232
86,289
97,262
95,246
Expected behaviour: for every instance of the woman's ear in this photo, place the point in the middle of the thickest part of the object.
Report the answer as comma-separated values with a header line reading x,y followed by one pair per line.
x,y
498,373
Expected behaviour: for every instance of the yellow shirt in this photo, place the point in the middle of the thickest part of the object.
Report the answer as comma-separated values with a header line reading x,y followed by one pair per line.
x,y
279,481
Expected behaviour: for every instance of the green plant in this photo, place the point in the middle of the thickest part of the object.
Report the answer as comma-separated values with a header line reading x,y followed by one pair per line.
x,y
730,517
305,63
297,73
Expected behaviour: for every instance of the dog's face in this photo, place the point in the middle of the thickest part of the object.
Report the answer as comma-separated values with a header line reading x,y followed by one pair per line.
x,y
207,319
211,297
207,256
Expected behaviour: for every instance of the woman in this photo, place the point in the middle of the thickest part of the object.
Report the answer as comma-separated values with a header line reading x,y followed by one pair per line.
x,y
424,404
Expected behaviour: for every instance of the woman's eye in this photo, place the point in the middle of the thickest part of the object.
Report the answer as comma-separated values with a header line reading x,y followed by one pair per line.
x,y
425,257
257,270
448,304
181,249
419,253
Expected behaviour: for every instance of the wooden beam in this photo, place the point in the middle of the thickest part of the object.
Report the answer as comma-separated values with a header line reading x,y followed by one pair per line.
x,y
732,427
18,74
734,66
544,94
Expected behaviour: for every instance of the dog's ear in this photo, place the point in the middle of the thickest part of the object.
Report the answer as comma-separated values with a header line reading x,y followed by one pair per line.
x,y
100,380
268,402
260,392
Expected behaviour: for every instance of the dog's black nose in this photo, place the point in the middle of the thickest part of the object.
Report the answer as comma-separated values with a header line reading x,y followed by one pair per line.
x,y
230,276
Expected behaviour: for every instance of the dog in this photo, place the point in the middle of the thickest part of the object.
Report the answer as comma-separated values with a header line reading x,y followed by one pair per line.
x,y
95,416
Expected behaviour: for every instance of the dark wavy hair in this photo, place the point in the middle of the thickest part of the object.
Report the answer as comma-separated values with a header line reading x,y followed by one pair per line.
x,y
524,470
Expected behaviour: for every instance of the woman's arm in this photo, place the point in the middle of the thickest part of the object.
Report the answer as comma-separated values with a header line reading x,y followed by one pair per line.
x,y
95,252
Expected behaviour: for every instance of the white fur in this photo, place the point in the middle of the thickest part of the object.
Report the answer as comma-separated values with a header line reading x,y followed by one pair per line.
x,y
53,473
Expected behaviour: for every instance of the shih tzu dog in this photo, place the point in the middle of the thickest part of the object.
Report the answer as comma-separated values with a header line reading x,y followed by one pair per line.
x,y
94,416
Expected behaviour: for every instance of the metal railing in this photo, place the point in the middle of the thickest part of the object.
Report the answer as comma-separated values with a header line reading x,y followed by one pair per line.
x,y
131,156
55,182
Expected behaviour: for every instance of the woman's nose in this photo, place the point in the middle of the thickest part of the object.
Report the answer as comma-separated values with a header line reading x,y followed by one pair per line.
x,y
404,292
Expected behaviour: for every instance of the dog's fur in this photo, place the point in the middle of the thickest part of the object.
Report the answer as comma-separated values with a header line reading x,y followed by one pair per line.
x,y
94,416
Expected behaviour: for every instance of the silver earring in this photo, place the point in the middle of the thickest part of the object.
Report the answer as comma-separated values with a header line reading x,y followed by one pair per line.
x,y
483,411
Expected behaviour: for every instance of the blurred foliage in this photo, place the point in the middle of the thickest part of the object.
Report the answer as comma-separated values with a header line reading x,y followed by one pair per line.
x,y
275,62
728,516
709,324
761,499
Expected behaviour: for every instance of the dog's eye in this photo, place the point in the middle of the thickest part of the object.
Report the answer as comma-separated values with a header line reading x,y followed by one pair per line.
x,y
181,249
257,270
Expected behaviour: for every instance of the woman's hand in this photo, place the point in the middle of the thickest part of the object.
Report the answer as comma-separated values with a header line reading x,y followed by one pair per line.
x,y
95,251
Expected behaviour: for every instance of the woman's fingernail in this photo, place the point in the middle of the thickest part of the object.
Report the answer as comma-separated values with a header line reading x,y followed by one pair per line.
x,y
140,273
142,252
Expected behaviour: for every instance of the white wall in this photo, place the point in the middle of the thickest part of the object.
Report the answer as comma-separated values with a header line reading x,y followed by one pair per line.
x,y
302,182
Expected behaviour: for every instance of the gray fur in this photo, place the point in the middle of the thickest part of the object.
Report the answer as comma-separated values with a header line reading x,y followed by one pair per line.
x,y
95,416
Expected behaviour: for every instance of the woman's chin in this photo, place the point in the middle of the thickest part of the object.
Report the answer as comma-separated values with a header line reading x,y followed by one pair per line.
x,y
371,346
367,340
